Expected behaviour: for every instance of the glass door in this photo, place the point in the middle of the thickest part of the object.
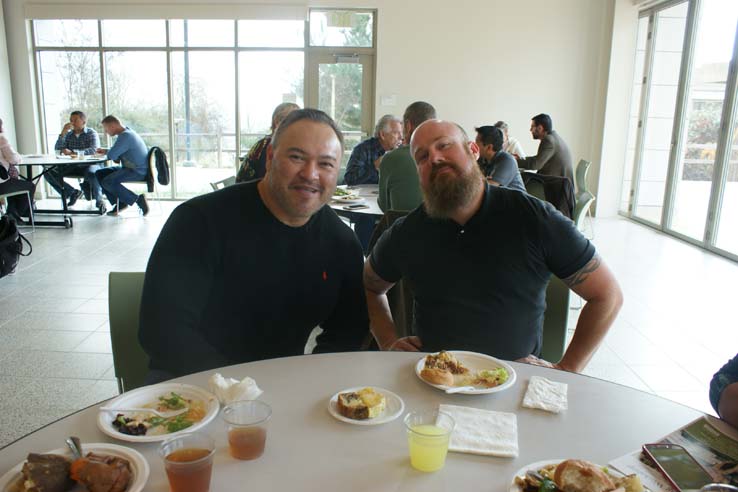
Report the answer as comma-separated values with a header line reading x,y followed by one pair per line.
x,y
341,85
706,92
660,106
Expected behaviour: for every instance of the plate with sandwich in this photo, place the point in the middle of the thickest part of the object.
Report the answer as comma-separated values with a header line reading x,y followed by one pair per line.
x,y
365,405
121,468
566,475
478,373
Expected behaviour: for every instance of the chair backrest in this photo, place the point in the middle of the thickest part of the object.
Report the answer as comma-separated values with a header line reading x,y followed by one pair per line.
x,y
555,320
219,185
535,188
584,201
580,177
124,302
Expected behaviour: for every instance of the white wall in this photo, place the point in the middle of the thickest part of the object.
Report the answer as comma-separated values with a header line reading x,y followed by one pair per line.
x,y
6,97
477,61
622,65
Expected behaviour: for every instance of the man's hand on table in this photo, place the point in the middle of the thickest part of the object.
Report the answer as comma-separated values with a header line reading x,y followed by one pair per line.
x,y
101,151
537,361
406,344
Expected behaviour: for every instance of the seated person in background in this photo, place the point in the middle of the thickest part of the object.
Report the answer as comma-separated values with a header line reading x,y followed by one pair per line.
x,y
74,136
479,258
363,165
130,150
497,165
399,185
270,262
11,182
553,157
510,144
254,164
724,392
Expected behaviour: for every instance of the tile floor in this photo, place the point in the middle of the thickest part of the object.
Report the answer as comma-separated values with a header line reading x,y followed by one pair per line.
x,y
673,333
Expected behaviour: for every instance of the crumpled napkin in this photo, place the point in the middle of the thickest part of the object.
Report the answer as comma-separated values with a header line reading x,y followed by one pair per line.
x,y
229,390
483,431
545,394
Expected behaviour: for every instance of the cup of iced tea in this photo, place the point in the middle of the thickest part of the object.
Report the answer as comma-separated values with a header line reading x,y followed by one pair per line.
x,y
247,428
428,435
188,461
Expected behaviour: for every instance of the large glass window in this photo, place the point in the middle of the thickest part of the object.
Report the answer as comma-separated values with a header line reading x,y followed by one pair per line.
x,y
267,79
204,119
708,80
188,86
71,83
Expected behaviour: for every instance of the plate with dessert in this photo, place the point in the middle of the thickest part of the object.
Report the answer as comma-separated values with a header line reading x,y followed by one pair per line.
x,y
104,467
365,405
470,373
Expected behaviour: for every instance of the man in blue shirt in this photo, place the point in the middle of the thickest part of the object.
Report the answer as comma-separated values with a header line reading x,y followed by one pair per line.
x,y
76,136
363,165
131,151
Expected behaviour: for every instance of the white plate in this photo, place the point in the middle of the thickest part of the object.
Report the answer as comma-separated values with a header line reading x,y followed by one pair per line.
x,y
350,199
139,465
475,362
393,409
148,394
540,464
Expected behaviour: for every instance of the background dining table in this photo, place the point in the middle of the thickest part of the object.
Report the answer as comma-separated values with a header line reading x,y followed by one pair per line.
x,y
308,449
369,194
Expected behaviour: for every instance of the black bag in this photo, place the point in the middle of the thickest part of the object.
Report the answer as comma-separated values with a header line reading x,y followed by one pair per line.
x,y
162,166
11,246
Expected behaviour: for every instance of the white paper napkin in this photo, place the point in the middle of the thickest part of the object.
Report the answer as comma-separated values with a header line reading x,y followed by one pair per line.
x,y
483,431
229,390
546,394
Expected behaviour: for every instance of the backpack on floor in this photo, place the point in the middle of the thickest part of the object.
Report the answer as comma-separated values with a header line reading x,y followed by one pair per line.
x,y
11,246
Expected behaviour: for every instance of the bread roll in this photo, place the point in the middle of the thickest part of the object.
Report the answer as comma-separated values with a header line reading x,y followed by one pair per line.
x,y
361,405
582,476
437,376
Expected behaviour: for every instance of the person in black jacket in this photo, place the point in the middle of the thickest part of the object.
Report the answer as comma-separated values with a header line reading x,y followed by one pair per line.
x,y
245,273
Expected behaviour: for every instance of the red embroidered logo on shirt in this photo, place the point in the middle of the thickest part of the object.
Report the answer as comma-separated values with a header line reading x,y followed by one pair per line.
x,y
325,275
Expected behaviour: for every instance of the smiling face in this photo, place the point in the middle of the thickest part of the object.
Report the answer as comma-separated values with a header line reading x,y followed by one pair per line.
x,y
301,171
449,175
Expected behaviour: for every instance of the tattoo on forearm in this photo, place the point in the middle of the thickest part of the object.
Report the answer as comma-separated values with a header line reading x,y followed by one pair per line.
x,y
584,273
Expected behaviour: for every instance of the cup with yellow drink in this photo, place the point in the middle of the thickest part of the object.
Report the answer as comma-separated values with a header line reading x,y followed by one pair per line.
x,y
428,434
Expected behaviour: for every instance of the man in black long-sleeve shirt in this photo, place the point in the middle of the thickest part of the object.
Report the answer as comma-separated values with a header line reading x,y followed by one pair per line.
x,y
246,273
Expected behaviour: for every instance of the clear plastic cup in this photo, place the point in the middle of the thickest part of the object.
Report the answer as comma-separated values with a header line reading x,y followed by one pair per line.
x,y
247,428
80,154
428,435
188,461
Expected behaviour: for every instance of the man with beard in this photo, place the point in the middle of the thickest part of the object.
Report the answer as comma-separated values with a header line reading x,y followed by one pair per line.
x,y
245,273
479,258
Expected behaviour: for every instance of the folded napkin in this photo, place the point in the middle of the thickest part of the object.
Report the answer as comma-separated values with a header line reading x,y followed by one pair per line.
x,y
229,390
483,431
545,394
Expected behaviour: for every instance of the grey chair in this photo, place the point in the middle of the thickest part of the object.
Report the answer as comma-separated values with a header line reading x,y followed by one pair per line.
x,y
584,198
555,320
219,185
130,361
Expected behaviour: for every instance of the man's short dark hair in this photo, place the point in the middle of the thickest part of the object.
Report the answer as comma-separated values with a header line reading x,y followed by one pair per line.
x,y
543,120
419,112
310,114
490,135
110,119
81,114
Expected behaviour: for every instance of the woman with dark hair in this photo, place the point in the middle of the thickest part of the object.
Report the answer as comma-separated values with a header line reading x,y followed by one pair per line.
x,y
10,181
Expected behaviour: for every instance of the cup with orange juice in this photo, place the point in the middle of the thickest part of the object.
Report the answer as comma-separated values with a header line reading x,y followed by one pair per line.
x,y
188,461
247,428
428,435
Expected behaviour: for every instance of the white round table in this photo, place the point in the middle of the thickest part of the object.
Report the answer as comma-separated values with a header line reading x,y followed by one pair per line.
x,y
369,193
308,450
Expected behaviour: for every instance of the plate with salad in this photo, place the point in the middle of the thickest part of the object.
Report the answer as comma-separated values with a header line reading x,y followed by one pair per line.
x,y
185,408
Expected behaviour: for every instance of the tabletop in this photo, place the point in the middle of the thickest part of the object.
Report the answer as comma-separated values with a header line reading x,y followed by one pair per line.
x,y
50,159
369,193
307,449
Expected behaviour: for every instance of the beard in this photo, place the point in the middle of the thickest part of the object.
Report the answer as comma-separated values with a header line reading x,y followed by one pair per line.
x,y
448,193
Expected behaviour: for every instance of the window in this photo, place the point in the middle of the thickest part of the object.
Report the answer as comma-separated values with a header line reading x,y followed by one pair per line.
x,y
203,90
